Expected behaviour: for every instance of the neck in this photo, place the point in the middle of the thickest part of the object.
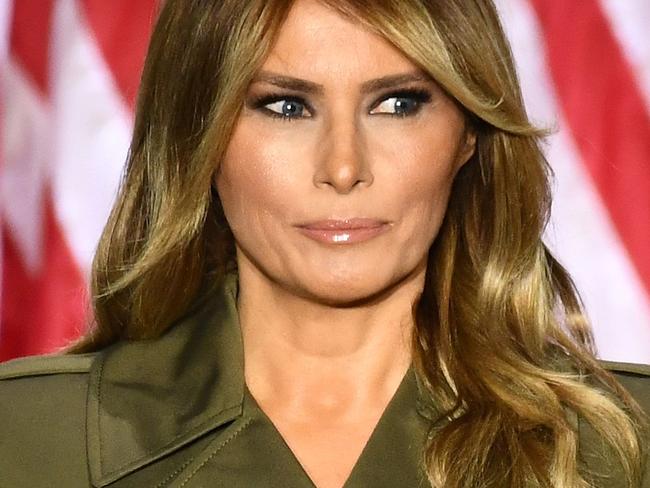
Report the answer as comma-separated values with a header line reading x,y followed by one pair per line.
x,y
316,356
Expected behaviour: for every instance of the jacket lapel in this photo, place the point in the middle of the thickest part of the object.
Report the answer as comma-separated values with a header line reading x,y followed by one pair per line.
x,y
393,455
149,398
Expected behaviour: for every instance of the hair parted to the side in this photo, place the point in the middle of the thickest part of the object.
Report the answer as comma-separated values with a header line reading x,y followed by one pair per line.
x,y
501,341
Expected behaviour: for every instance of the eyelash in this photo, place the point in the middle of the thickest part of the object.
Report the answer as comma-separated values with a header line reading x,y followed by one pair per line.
x,y
420,96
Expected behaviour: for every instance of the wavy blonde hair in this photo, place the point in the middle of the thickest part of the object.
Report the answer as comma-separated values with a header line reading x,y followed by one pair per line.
x,y
501,341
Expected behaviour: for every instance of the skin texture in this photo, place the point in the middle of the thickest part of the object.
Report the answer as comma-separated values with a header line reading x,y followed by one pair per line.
x,y
326,327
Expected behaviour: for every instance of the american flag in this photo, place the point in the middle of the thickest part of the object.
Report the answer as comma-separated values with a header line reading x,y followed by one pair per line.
x,y
69,71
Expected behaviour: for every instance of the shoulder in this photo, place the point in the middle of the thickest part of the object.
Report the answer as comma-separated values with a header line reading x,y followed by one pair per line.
x,y
633,369
52,377
635,378
55,377
43,419
598,457
45,365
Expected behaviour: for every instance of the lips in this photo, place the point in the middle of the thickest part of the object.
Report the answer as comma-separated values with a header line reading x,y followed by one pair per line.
x,y
343,224
344,231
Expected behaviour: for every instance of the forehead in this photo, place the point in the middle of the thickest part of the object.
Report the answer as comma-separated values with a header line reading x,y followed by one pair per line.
x,y
318,42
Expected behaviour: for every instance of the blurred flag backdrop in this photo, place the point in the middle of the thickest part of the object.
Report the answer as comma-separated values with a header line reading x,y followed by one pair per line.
x,y
68,77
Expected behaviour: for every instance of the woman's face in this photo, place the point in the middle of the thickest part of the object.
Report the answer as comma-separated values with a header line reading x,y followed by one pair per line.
x,y
335,182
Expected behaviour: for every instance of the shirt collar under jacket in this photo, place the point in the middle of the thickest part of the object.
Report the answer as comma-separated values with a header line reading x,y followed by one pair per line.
x,y
147,399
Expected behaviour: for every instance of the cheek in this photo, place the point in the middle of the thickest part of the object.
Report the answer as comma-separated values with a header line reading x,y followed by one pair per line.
x,y
425,170
437,173
254,177
424,203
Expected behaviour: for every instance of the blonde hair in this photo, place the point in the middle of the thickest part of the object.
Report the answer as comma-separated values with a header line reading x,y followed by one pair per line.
x,y
501,342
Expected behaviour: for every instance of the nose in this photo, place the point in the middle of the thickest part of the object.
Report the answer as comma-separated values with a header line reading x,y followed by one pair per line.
x,y
342,161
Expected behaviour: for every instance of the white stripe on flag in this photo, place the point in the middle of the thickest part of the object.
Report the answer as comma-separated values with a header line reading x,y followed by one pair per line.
x,y
92,128
6,8
25,166
580,234
630,22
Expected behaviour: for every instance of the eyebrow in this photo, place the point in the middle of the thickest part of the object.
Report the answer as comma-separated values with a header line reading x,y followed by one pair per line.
x,y
309,87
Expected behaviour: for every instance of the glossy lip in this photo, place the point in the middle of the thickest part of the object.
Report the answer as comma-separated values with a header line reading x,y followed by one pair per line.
x,y
344,231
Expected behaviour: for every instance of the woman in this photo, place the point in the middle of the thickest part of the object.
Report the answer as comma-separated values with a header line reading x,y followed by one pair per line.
x,y
325,268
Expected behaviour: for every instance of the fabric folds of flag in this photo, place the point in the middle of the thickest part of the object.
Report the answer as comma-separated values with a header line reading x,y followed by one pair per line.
x,y
69,76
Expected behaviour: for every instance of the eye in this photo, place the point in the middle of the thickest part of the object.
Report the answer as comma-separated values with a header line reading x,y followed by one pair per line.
x,y
403,103
282,106
287,108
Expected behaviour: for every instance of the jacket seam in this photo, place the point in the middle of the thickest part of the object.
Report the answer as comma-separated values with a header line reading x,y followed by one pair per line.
x,y
43,372
87,427
176,472
214,452
99,424
155,453
44,365
629,368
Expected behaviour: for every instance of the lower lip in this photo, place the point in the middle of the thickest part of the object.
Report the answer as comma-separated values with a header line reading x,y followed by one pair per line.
x,y
344,236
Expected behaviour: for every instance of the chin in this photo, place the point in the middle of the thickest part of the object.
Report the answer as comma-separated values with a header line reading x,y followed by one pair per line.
x,y
348,289
342,283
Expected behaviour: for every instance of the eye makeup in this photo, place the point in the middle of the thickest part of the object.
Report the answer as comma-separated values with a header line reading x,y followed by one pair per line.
x,y
260,102
416,96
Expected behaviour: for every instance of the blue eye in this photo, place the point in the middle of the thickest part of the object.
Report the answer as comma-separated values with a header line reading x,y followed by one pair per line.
x,y
404,103
288,108
285,107
281,106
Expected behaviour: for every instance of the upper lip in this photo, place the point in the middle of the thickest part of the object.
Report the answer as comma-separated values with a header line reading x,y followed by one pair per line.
x,y
343,224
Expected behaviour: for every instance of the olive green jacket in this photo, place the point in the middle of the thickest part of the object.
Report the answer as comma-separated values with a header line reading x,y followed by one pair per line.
x,y
175,412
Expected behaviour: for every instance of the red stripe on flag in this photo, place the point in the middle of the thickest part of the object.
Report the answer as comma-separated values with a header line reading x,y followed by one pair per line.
x,y
43,312
606,114
30,38
124,53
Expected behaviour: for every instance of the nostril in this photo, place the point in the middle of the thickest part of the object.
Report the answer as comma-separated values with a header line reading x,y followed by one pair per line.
x,y
344,181
344,174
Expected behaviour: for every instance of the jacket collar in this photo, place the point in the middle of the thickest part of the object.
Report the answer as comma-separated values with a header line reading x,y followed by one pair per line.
x,y
148,398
